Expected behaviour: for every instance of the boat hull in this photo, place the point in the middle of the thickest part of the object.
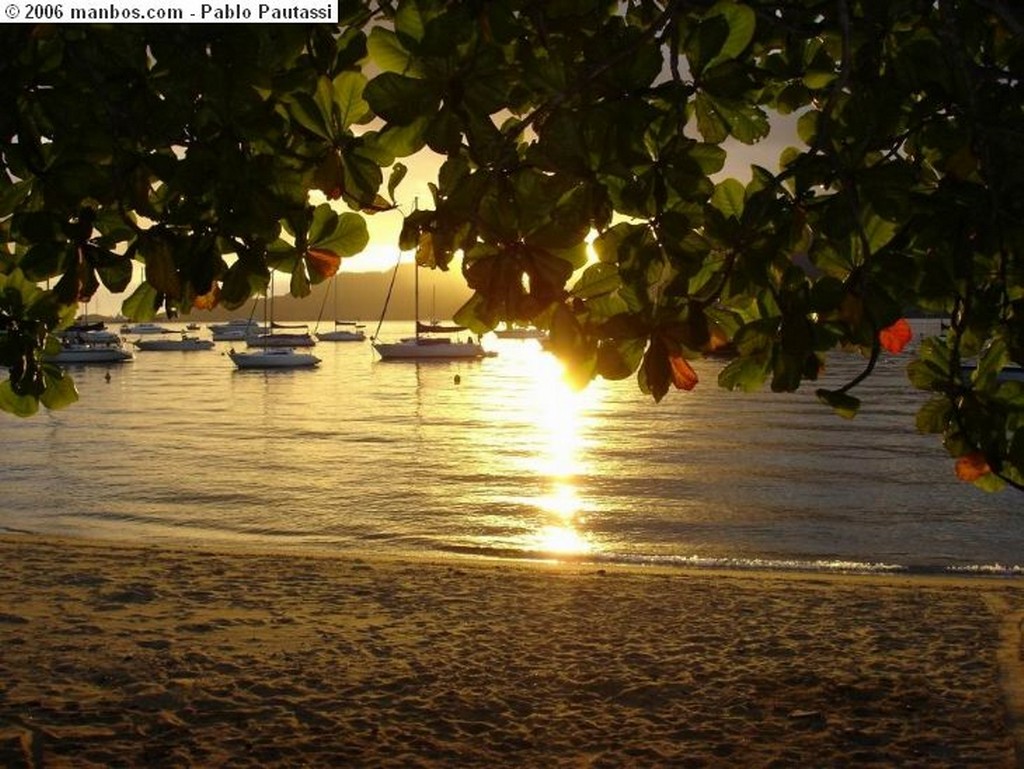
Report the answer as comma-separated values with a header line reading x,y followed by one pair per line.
x,y
281,340
341,336
430,349
276,358
167,345
91,355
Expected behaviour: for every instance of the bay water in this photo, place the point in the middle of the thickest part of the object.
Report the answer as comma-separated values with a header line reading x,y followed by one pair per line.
x,y
500,458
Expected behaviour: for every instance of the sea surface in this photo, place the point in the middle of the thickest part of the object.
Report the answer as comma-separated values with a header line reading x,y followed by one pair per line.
x,y
500,458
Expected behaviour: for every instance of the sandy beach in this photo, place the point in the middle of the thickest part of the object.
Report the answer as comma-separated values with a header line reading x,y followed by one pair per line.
x,y
124,656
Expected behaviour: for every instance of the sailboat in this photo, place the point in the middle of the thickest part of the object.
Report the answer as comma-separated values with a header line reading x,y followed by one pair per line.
x,y
271,351
273,357
85,342
291,336
344,330
424,345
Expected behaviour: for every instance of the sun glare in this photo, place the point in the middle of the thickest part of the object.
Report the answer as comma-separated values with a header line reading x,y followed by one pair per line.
x,y
559,416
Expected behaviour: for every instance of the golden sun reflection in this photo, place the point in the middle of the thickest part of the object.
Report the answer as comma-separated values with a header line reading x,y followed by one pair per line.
x,y
559,417
562,540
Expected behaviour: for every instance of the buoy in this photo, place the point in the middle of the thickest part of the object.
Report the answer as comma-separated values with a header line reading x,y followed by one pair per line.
x,y
458,379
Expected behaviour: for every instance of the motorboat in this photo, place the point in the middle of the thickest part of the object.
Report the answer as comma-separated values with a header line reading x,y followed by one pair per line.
x,y
273,357
185,343
234,330
344,331
98,346
520,332
145,328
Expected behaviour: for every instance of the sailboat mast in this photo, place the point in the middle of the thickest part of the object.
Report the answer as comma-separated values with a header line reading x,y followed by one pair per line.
x,y
416,293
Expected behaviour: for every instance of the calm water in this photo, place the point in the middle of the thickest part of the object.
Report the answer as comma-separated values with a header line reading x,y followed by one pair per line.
x,y
497,458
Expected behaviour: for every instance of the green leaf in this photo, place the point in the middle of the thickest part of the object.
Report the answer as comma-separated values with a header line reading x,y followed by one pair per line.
x,y
361,178
12,403
816,80
710,123
161,269
397,141
304,111
807,126
411,20
348,99
729,198
474,316
323,221
400,99
299,285
744,373
396,177
387,53
655,373
597,280
142,304
741,24
46,259
878,231
934,416
13,194
927,375
348,236
60,391
620,359
115,270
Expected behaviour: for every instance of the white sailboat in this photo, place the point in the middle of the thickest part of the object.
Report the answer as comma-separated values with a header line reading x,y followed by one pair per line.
x,y
288,338
275,350
344,330
425,345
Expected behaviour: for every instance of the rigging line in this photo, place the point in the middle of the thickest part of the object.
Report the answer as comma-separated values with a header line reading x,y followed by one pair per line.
x,y
323,304
387,299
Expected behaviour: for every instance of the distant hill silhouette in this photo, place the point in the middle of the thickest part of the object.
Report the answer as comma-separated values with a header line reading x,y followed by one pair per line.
x,y
361,296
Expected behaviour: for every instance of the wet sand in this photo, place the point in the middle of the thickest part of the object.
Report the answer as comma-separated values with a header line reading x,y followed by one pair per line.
x,y
115,655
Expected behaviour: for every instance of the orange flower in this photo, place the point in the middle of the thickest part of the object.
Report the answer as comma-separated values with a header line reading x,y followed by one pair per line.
x,y
683,375
323,262
208,300
971,467
895,337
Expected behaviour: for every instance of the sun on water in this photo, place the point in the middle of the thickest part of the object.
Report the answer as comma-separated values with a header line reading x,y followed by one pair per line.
x,y
558,414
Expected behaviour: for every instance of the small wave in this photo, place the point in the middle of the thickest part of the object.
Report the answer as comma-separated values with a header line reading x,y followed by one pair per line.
x,y
820,566
755,564
992,569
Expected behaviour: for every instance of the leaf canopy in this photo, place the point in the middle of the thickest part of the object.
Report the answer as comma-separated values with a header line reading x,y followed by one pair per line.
x,y
193,151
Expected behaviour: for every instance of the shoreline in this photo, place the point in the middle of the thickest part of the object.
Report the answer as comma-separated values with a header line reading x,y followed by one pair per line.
x,y
645,564
134,655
